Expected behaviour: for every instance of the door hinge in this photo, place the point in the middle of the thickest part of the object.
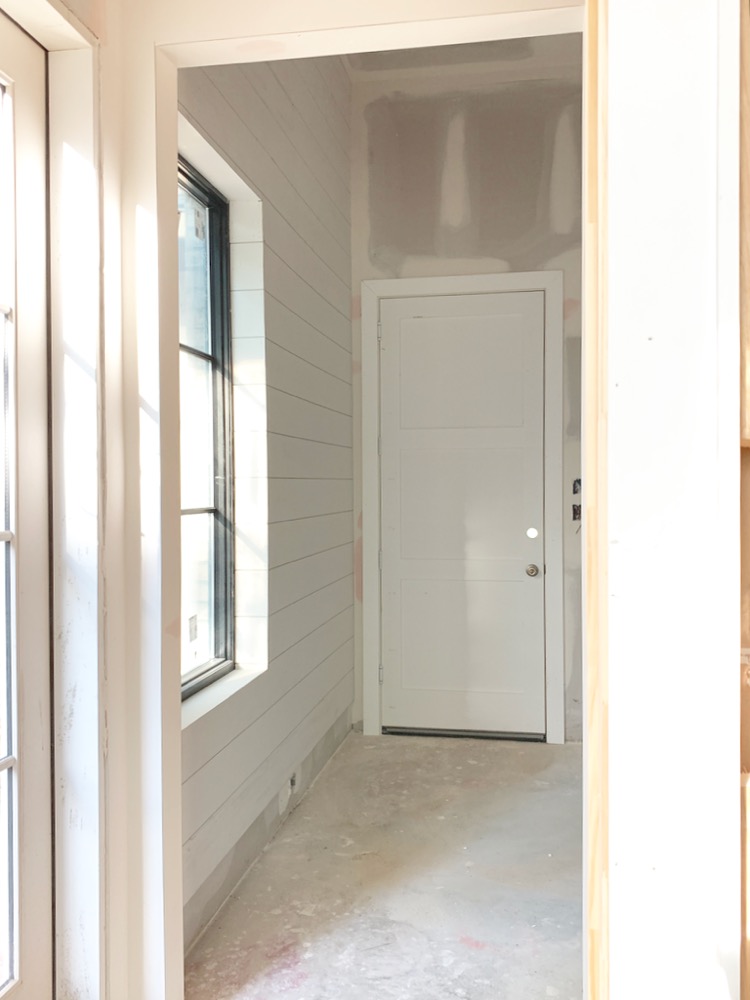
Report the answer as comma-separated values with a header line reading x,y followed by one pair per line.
x,y
380,674
380,330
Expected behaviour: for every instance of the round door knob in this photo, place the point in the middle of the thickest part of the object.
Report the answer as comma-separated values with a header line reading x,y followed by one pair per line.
x,y
532,570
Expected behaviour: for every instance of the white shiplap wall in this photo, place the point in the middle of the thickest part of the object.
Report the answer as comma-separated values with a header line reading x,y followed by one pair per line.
x,y
284,128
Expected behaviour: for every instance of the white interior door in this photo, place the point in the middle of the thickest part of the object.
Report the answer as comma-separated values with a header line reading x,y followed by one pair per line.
x,y
25,780
462,472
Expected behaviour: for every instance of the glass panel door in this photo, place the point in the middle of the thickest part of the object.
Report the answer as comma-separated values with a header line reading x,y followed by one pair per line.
x,y
25,690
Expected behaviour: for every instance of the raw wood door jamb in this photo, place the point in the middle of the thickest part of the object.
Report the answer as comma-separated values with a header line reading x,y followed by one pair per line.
x,y
596,942
745,479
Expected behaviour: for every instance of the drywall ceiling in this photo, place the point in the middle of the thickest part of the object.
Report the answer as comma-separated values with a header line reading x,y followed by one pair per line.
x,y
533,58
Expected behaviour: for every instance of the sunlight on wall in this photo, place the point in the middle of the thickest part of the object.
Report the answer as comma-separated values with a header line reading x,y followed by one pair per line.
x,y
250,421
80,328
148,372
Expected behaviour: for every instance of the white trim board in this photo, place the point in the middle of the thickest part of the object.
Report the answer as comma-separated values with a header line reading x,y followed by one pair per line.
x,y
373,292
555,17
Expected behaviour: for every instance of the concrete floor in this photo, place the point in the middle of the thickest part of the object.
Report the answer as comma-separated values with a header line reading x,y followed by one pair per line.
x,y
414,869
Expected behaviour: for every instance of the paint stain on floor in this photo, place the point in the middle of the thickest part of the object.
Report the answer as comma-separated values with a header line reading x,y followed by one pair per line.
x,y
414,869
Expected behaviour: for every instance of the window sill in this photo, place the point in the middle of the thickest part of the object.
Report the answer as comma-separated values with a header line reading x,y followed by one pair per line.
x,y
214,695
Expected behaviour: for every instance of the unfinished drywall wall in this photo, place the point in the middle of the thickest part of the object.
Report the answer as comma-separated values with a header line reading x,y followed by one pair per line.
x,y
284,127
462,168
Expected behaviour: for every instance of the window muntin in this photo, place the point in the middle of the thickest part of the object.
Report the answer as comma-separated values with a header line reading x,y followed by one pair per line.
x,y
205,433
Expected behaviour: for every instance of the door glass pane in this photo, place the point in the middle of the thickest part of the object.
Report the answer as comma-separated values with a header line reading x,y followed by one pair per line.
x,y
7,776
6,663
6,692
7,207
195,315
197,590
196,431
6,879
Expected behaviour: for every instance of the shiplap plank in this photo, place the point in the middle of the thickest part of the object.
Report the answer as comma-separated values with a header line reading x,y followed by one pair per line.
x,y
323,89
338,82
232,84
251,594
251,493
208,788
312,93
249,361
297,377
251,641
212,842
294,622
298,128
206,107
283,119
292,540
290,583
297,417
328,252
332,92
246,267
303,259
283,282
210,733
292,499
294,334
246,221
294,458
250,455
290,77
248,317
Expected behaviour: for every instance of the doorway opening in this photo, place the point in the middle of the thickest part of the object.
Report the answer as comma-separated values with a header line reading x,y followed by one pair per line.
x,y
428,164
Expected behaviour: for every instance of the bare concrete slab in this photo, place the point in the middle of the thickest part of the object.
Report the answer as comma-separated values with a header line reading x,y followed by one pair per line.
x,y
414,869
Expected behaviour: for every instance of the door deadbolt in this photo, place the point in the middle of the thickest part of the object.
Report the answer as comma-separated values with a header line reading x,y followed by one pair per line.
x,y
532,570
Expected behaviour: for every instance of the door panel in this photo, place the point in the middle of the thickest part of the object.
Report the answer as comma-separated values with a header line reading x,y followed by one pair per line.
x,y
26,839
462,467
472,513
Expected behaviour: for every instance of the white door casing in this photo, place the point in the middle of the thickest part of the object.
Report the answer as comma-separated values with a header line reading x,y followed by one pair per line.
x,y
462,494
541,291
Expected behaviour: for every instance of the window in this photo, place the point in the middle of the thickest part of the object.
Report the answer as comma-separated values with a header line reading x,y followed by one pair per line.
x,y
205,433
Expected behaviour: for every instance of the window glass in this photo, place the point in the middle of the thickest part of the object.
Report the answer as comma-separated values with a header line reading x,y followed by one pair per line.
x,y
196,431
207,537
7,850
8,858
195,308
198,631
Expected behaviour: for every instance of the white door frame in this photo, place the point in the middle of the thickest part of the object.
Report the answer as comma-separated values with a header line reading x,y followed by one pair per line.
x,y
373,292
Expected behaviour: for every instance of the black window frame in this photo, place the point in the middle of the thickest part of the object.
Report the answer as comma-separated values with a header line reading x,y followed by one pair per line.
x,y
220,357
